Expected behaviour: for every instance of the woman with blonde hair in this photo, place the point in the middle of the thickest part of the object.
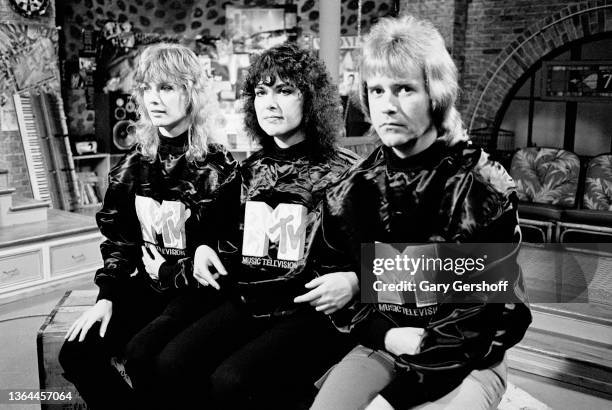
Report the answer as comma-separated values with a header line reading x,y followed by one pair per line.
x,y
161,204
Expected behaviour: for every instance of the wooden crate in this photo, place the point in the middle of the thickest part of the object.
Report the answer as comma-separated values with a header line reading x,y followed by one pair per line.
x,y
49,341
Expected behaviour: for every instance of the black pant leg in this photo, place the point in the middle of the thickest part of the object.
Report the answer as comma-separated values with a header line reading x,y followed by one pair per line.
x,y
277,369
142,350
87,364
184,365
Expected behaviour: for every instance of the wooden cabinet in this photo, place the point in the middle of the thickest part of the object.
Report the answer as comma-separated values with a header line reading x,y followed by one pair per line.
x,y
19,267
39,256
75,256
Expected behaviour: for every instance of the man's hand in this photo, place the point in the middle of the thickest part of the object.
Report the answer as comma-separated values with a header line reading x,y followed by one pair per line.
x,y
379,403
152,264
205,258
331,291
101,311
404,340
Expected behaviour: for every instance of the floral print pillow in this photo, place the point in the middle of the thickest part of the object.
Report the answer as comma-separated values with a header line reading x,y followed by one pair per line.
x,y
546,176
598,184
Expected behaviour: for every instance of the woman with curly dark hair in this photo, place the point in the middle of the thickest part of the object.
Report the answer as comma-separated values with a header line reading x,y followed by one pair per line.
x,y
257,350
320,110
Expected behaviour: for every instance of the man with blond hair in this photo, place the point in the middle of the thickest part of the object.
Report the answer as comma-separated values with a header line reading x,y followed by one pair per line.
x,y
426,184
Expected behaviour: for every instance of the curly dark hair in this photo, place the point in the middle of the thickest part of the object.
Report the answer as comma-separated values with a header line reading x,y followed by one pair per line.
x,y
322,113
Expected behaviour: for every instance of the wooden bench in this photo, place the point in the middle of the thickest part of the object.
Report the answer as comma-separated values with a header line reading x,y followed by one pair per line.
x,y
50,338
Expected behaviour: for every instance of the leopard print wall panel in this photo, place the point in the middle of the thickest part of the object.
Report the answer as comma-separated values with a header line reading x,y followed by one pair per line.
x,y
187,18
190,18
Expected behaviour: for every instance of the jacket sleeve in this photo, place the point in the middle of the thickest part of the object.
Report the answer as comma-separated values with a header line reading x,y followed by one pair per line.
x,y
219,217
118,222
460,338
212,213
465,335
348,220
452,347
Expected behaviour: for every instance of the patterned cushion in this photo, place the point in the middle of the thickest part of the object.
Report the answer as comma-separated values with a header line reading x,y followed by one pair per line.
x,y
598,184
546,176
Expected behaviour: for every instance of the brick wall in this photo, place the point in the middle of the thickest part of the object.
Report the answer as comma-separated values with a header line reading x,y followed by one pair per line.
x,y
13,159
494,27
495,41
449,17
440,12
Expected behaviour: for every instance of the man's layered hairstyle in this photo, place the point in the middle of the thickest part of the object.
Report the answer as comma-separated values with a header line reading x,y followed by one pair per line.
x,y
322,116
396,43
177,65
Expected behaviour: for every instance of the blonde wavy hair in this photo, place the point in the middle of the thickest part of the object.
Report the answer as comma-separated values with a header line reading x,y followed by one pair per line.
x,y
394,44
176,64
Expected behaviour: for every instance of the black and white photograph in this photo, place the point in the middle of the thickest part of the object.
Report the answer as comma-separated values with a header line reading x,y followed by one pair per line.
x,y
306,204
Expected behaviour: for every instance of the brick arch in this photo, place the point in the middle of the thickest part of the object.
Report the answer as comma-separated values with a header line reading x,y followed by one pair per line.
x,y
571,23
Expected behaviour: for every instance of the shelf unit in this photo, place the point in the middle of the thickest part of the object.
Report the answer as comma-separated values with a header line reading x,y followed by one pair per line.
x,y
100,165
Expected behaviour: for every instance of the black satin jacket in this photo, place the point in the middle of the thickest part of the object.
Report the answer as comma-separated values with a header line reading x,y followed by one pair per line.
x,y
444,194
280,214
175,212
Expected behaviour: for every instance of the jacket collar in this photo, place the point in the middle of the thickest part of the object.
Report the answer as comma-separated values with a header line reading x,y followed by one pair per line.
x,y
179,141
429,157
297,151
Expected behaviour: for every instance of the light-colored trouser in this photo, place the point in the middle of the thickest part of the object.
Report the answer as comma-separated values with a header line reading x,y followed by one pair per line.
x,y
363,373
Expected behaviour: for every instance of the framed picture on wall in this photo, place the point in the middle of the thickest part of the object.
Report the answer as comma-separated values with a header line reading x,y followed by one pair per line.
x,y
577,80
